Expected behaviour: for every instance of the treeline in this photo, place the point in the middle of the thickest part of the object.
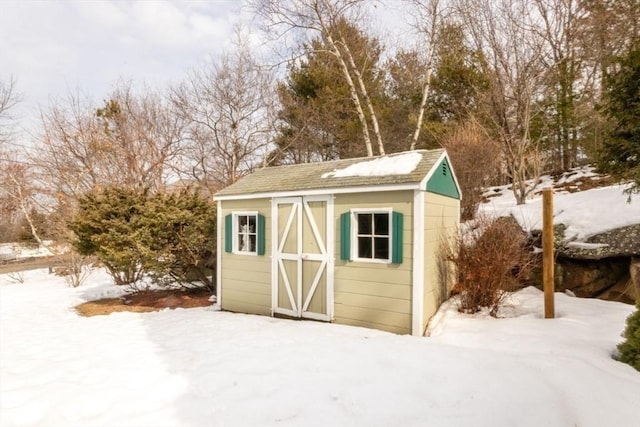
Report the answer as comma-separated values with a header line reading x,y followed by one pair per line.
x,y
512,88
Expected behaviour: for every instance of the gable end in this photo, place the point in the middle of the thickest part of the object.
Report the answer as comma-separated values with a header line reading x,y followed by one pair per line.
x,y
442,181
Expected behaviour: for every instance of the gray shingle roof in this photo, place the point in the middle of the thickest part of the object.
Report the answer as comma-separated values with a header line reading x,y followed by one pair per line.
x,y
309,176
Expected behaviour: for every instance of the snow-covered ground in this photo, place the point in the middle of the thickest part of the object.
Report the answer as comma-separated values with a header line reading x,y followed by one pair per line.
x,y
18,250
200,367
585,213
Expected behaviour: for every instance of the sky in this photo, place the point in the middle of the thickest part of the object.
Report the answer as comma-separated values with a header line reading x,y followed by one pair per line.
x,y
52,47
56,47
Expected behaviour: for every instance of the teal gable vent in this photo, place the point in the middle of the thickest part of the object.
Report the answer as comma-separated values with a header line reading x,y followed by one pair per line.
x,y
442,182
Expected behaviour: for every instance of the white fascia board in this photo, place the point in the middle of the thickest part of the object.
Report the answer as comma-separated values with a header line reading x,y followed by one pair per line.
x,y
417,264
321,191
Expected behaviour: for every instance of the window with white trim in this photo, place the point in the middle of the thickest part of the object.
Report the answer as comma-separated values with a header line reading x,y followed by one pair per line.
x,y
373,237
245,233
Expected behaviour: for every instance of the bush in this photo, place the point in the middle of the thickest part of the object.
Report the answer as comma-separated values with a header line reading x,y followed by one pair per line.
x,y
492,259
630,348
182,241
169,236
109,225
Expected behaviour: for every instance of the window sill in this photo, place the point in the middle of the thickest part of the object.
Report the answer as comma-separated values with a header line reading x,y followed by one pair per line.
x,y
245,253
372,260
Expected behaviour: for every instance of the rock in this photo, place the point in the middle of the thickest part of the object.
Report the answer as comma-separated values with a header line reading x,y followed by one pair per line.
x,y
634,272
620,242
590,278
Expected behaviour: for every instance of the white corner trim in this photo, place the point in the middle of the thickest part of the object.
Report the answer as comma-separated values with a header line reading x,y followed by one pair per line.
x,y
331,260
219,217
417,297
274,258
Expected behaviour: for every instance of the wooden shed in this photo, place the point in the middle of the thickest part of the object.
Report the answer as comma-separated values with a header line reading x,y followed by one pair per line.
x,y
349,241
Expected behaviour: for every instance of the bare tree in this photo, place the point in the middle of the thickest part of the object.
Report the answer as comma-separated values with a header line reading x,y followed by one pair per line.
x,y
228,105
9,98
507,32
476,157
324,17
131,141
562,31
18,187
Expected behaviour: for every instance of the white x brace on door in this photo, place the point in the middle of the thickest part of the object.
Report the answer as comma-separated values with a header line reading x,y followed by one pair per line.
x,y
302,264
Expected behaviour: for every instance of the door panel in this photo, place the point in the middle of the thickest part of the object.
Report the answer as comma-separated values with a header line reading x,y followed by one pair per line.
x,y
287,291
302,258
314,287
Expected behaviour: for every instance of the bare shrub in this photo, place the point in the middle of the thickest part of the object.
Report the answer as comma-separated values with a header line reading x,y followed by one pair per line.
x,y
78,270
475,157
492,258
17,276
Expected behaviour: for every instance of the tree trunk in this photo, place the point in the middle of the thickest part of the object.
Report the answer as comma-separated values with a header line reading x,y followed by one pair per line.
x,y
367,99
354,94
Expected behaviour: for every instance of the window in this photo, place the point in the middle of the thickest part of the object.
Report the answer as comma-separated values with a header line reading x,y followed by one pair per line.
x,y
376,235
244,233
372,236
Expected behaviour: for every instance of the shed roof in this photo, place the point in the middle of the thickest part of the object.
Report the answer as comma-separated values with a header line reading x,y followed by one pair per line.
x,y
332,174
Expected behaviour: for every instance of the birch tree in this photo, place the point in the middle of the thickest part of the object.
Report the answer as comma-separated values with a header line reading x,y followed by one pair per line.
x,y
428,18
306,18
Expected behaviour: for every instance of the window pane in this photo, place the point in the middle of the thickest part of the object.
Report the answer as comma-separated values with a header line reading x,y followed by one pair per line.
x,y
252,243
242,222
381,248
364,224
364,247
381,224
252,224
243,243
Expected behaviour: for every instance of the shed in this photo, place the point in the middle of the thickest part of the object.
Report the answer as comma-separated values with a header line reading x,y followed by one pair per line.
x,y
351,241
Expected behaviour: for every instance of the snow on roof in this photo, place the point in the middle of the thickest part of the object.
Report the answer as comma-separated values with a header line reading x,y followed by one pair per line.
x,y
402,164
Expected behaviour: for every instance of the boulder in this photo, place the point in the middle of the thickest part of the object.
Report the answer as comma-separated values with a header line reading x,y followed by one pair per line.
x,y
592,278
619,242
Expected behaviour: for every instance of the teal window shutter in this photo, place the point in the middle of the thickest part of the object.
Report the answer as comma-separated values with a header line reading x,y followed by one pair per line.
x,y
228,233
345,236
396,238
261,234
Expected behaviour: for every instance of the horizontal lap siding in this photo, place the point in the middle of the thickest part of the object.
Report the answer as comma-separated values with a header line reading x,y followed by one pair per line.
x,y
246,279
441,224
374,295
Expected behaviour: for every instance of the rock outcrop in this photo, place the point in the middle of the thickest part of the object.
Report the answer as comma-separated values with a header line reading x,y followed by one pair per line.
x,y
606,265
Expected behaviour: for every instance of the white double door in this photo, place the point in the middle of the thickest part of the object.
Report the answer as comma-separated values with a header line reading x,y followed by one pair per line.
x,y
303,257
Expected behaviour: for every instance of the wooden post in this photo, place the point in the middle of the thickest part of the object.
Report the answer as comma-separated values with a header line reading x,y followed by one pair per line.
x,y
547,252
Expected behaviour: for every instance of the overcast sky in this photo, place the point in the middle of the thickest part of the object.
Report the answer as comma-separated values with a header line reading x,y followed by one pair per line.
x,y
53,46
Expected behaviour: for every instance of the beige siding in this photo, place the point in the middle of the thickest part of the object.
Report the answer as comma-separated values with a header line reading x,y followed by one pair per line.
x,y
374,295
440,225
246,279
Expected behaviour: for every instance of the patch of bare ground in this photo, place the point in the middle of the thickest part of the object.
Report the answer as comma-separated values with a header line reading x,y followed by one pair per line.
x,y
146,301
